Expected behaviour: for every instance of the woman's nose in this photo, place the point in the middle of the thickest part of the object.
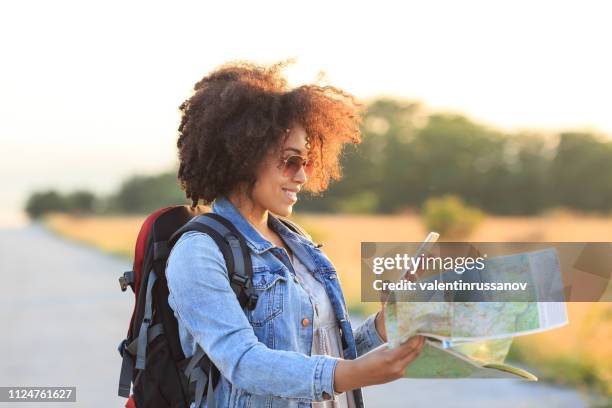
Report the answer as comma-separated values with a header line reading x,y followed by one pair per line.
x,y
300,176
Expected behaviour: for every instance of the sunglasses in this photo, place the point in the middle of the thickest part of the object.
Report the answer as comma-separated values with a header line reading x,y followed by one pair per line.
x,y
293,164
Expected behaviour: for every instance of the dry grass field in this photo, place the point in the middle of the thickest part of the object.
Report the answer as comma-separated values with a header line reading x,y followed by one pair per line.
x,y
579,353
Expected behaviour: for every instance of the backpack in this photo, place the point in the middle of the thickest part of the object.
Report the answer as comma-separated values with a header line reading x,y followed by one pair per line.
x,y
152,357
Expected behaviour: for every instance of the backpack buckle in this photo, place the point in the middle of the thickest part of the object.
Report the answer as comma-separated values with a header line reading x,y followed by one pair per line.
x,y
126,280
122,346
239,279
252,301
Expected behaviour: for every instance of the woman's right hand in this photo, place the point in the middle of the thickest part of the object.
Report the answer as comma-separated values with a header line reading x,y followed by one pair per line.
x,y
379,366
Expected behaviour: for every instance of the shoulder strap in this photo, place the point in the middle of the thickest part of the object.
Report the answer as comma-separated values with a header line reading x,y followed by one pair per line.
x,y
230,241
234,249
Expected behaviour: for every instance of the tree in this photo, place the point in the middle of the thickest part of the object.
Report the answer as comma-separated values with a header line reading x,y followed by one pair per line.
x,y
81,201
581,172
41,203
144,194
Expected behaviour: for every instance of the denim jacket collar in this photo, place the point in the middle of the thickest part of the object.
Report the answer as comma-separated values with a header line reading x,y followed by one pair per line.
x,y
258,244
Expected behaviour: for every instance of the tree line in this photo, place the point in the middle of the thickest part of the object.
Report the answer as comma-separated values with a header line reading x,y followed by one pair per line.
x,y
409,156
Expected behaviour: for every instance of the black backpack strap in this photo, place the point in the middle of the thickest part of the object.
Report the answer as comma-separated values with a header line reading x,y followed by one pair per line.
x,y
143,336
200,370
127,368
235,252
138,347
242,274
202,373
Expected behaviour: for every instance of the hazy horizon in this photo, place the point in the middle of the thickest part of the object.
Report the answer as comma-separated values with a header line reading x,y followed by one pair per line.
x,y
90,91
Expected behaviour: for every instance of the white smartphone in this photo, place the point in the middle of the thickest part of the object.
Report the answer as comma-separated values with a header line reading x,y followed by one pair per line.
x,y
425,248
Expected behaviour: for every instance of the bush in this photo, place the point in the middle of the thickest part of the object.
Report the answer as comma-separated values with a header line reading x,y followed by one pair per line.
x,y
41,203
81,202
450,217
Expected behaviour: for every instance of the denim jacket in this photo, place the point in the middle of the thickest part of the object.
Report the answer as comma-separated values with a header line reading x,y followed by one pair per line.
x,y
263,354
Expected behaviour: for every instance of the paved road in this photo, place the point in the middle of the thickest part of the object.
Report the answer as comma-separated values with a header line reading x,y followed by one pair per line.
x,y
62,315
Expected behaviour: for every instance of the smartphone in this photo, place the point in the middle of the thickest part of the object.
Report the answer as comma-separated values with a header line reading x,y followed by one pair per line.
x,y
424,249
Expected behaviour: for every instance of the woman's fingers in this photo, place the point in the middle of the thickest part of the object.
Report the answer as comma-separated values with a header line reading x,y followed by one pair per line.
x,y
414,352
412,344
416,341
385,364
409,359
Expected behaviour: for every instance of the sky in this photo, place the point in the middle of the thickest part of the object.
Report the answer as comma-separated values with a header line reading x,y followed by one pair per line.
x,y
89,90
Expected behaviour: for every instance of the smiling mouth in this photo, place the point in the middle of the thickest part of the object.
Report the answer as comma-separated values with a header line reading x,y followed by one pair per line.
x,y
290,194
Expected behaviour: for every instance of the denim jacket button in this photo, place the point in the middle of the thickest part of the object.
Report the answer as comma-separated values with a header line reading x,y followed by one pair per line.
x,y
305,322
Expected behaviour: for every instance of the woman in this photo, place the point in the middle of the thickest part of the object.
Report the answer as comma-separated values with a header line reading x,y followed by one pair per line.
x,y
248,144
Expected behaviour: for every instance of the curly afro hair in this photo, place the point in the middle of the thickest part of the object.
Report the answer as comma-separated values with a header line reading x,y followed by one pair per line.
x,y
240,113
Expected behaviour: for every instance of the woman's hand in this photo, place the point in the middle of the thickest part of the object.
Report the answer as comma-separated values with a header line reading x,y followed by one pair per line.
x,y
379,366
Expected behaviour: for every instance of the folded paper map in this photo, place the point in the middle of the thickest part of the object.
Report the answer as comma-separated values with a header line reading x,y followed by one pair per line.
x,y
472,339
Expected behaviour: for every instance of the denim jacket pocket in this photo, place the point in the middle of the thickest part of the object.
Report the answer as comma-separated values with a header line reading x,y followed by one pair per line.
x,y
270,287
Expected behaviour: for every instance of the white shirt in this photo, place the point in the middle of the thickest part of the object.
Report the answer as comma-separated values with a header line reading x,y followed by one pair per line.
x,y
326,338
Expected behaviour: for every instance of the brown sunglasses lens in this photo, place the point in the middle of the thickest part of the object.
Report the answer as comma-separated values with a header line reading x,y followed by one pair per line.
x,y
293,164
